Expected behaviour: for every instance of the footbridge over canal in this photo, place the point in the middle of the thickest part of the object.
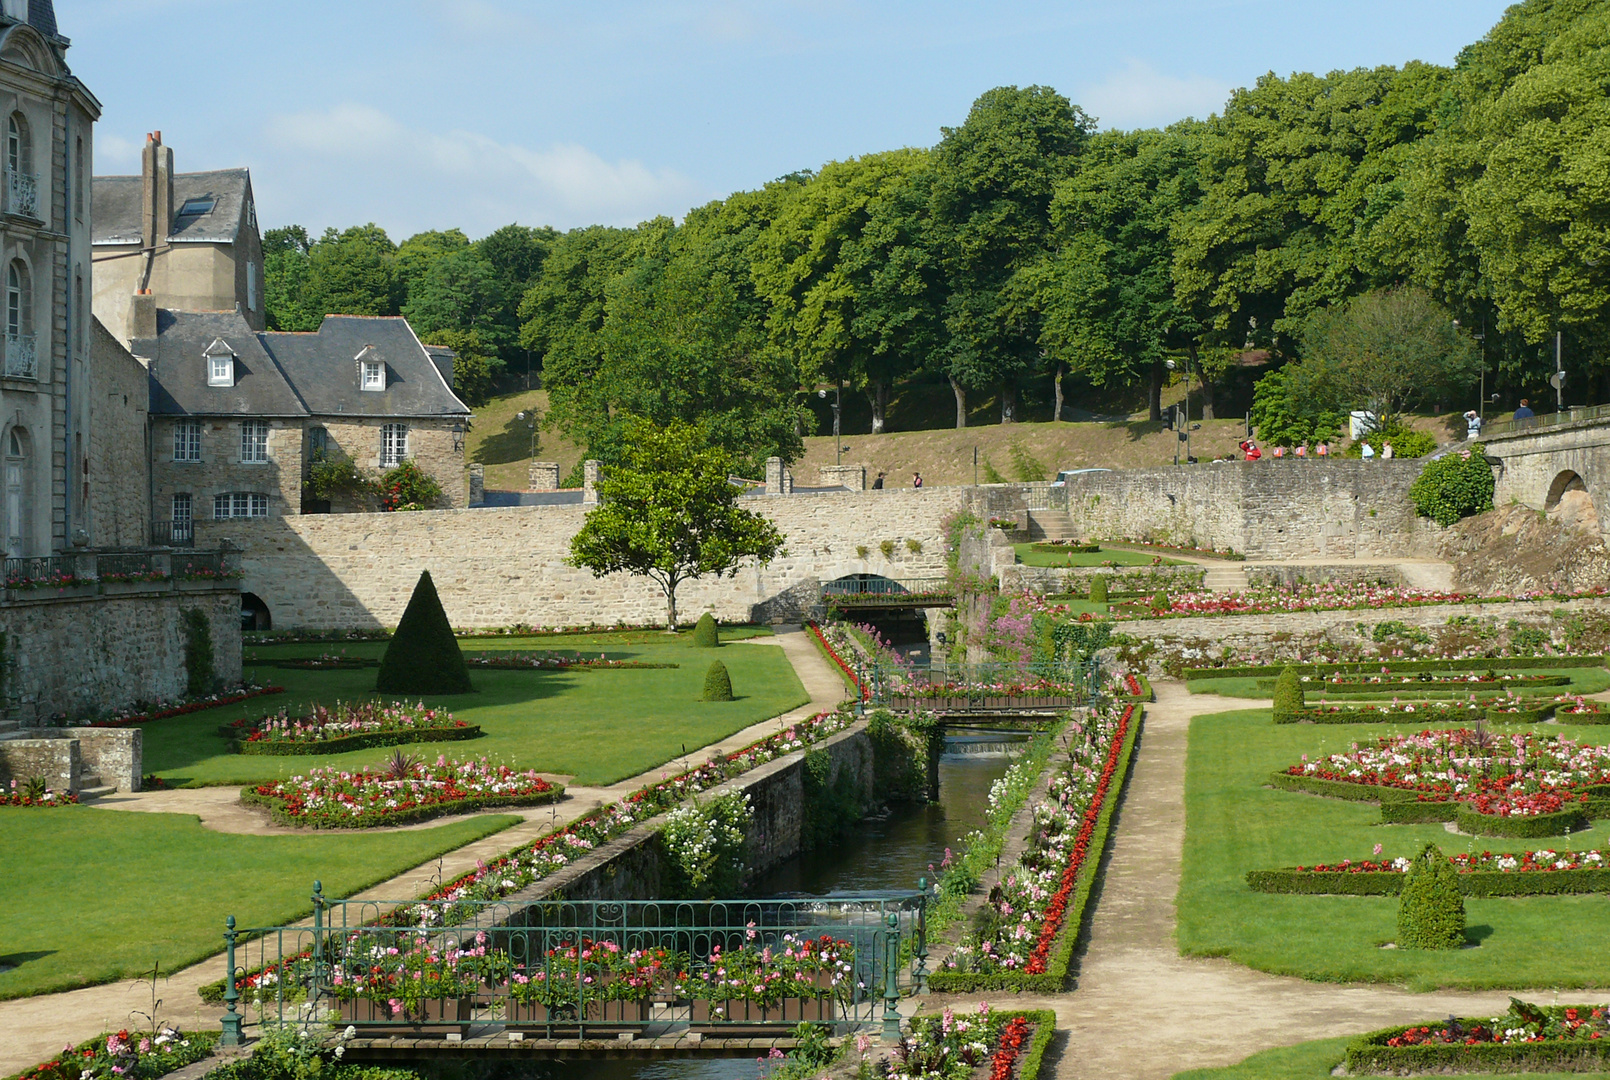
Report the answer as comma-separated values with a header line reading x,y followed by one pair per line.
x,y
1552,462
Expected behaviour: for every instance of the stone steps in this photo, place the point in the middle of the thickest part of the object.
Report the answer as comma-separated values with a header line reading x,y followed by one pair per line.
x,y
1050,525
86,792
1231,578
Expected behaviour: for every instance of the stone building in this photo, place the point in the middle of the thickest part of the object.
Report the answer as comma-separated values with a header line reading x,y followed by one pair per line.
x,y
185,241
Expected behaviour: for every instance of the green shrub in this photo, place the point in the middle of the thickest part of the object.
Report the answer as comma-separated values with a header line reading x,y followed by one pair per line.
x,y
423,655
1161,602
198,664
1098,590
1454,487
1431,913
717,683
705,634
1406,443
1288,695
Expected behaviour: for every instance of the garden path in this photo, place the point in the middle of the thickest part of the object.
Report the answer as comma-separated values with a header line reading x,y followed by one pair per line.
x,y
1142,1011
37,1027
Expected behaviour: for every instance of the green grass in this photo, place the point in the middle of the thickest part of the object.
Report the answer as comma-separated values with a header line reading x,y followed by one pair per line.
x,y
1029,557
1235,824
1583,681
1309,1061
94,896
598,726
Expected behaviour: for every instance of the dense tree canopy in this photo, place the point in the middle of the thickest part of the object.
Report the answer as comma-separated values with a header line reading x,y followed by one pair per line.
x,y
1026,248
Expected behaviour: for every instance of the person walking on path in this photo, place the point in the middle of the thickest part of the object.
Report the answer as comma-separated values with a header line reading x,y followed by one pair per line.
x,y
1367,452
916,480
1386,451
1524,412
877,485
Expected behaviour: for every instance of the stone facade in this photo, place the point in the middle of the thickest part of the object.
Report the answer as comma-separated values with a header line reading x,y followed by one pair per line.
x,y
430,446
542,476
119,492
503,566
221,470
71,759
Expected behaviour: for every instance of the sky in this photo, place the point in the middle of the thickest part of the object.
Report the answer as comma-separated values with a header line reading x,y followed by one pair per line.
x,y
420,114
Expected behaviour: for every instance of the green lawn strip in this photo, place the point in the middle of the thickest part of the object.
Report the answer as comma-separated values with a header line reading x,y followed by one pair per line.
x,y
1235,824
96,896
1584,680
567,721
1314,1061
1027,556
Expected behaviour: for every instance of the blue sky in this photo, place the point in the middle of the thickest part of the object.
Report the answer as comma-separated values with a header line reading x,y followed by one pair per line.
x,y
432,113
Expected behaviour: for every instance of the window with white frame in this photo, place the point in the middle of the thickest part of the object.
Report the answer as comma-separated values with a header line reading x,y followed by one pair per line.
x,y
374,375
182,512
221,370
253,442
187,441
393,445
239,504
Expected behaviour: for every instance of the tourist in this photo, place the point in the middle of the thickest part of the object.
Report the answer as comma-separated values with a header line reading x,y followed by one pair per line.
x,y
1302,449
1386,451
916,480
877,485
1524,412
1367,452
1472,425
1253,453
1324,449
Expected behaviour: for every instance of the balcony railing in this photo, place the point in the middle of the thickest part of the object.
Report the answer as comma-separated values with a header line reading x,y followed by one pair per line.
x,y
22,193
178,534
22,361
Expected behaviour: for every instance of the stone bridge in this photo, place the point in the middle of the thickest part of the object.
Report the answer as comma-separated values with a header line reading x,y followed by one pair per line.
x,y
1558,463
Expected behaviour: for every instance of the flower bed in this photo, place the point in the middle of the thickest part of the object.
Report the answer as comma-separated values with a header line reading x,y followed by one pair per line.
x,y
141,714
1329,597
128,1055
1439,712
1529,1038
53,580
1388,681
833,653
326,662
1575,709
33,793
1013,1042
1066,547
547,661
348,726
1396,666
339,799
1147,545
1041,902
1543,872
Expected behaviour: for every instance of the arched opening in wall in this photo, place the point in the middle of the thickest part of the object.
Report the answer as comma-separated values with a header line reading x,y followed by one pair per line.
x,y
1566,481
883,604
1569,503
19,493
254,614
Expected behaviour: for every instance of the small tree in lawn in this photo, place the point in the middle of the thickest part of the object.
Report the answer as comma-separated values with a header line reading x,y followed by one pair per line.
x,y
668,513
1431,911
1288,694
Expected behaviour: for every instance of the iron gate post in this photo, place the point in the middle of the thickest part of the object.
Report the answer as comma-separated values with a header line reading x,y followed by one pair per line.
x,y
891,977
920,951
318,942
231,1019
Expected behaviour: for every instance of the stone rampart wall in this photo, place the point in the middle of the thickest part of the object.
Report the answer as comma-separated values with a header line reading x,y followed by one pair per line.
x,y
1271,510
1055,580
56,761
500,567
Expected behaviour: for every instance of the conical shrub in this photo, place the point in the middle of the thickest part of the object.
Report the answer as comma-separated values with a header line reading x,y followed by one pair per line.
x,y
717,683
423,656
1431,912
705,634
1289,700
1161,602
1098,589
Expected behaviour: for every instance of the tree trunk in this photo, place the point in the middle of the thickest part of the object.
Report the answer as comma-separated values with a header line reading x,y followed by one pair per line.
x,y
670,607
878,395
961,401
1009,401
1207,386
1062,369
1154,392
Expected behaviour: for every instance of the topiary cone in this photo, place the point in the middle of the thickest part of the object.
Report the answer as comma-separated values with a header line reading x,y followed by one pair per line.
x,y
1431,912
1289,700
705,634
717,683
423,656
1098,589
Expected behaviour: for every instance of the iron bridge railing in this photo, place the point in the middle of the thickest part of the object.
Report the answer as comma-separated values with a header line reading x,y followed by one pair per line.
x,y
1573,415
581,968
874,591
980,688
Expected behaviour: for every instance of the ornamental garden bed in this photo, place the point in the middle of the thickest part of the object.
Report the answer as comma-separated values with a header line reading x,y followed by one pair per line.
x,y
547,661
348,726
1437,712
1012,1042
1374,667
1206,553
1452,681
145,712
126,1055
1528,1039
1543,872
1066,547
406,792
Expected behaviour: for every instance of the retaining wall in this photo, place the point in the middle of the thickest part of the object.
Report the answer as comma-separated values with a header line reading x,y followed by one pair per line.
x,y
66,757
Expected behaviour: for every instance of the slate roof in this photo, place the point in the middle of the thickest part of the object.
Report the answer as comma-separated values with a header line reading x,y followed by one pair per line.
x,y
179,369
323,367
118,206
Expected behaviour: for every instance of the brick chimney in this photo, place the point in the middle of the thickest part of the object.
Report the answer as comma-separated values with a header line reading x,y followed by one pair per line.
x,y
156,187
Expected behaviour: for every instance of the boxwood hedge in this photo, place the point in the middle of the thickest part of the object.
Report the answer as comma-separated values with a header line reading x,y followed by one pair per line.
x,y
1373,667
352,742
1344,715
1477,883
1370,1056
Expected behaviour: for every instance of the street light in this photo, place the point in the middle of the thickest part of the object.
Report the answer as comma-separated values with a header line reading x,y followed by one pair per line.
x,y
530,420
1185,428
838,403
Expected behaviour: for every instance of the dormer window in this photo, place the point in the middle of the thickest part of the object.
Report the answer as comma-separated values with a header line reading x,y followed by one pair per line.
x,y
371,369
197,207
220,363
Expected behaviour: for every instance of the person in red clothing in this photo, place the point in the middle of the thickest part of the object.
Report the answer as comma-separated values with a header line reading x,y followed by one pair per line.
x,y
1253,453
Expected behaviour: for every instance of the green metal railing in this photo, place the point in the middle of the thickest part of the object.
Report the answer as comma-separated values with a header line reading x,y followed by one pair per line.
x,y
1577,414
562,968
874,591
962,688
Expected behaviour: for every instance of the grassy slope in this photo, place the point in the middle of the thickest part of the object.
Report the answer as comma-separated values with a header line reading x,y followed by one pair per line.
x,y
1029,557
1235,824
557,721
99,895
1309,1061
1583,681
502,443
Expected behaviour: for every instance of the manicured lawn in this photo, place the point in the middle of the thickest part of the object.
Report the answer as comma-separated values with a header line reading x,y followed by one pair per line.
x,y
597,725
1311,1061
1235,824
1583,681
1029,557
94,896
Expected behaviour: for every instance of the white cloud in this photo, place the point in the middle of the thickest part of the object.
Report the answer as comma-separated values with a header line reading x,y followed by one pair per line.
x,y
1138,95
114,150
356,163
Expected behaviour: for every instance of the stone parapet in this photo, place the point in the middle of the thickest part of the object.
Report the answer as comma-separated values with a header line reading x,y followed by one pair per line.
x,y
851,477
544,476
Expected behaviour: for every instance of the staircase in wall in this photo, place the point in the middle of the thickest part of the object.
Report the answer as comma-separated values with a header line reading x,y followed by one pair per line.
x,y
1225,577
1050,525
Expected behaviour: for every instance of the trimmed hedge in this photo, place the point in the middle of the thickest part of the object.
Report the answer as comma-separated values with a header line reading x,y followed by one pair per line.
x,y
717,683
423,656
1375,716
1098,590
1523,716
705,634
1080,908
1338,789
313,663
1370,1056
1067,549
375,819
1597,716
1520,827
351,742
1373,667
1401,807
1414,812
1288,703
1431,911
1477,883
1419,688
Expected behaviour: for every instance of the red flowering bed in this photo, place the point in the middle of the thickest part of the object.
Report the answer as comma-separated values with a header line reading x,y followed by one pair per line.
x,y
163,710
1538,872
343,799
834,655
939,1044
1527,1039
28,795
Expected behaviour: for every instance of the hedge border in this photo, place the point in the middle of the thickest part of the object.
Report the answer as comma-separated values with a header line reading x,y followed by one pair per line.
x,y
1340,789
1523,716
1079,910
1370,716
1367,1055
1477,883
1358,667
371,820
1420,689
1065,549
1402,807
264,748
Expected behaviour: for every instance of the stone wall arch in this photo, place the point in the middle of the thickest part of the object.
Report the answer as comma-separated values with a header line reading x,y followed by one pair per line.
x,y
1566,480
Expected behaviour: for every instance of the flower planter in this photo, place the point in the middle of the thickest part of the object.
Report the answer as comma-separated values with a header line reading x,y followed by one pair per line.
x,y
604,1018
740,1019
205,585
134,588
431,1017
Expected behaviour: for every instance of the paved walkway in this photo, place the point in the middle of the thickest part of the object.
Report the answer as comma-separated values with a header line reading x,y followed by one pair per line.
x,y
32,1029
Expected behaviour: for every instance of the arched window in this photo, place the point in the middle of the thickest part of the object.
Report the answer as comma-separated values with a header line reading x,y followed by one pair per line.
x,y
19,144
19,341
18,494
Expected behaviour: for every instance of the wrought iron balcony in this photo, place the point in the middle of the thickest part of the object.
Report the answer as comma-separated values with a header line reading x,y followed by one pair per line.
x,y
22,194
179,534
21,360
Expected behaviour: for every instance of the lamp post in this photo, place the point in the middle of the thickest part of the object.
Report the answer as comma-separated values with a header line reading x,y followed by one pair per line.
x,y
1184,434
530,420
838,404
